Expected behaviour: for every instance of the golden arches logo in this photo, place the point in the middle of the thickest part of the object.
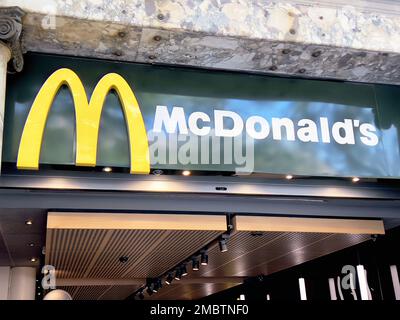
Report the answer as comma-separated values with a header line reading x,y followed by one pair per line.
x,y
87,117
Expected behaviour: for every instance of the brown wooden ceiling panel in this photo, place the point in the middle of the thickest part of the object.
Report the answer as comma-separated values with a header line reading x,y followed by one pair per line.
x,y
135,244
257,246
100,292
265,248
324,246
301,224
69,289
79,253
150,252
118,292
252,252
85,292
71,251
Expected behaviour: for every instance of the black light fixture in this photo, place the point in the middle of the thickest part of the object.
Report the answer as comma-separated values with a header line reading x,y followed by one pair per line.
x,y
158,172
154,287
195,264
159,283
222,245
178,274
141,295
204,258
169,279
149,291
123,259
184,270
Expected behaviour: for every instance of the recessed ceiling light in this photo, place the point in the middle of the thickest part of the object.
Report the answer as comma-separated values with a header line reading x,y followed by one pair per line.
x,y
28,222
123,259
302,286
169,279
186,173
184,271
141,295
355,179
158,172
31,244
222,245
289,177
107,169
195,265
33,259
204,259
178,274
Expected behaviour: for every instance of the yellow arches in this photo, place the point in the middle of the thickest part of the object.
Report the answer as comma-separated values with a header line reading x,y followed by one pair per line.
x,y
88,116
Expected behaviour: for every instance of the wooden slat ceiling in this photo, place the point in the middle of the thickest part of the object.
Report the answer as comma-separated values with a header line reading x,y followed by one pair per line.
x,y
85,292
153,243
87,247
253,253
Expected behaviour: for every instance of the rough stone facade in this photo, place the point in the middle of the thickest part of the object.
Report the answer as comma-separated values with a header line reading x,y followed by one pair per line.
x,y
282,37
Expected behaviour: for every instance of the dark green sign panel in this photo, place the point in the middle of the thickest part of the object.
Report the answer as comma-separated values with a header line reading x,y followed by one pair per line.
x,y
219,121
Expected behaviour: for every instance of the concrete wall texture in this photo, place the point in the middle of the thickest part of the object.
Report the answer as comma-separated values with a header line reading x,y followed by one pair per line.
x,y
324,39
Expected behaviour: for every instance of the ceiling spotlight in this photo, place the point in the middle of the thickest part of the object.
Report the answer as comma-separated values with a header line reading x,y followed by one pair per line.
x,y
289,177
149,291
141,295
107,169
204,259
158,172
355,179
31,244
222,245
186,173
28,222
178,275
195,265
123,259
169,279
184,271
33,259
154,287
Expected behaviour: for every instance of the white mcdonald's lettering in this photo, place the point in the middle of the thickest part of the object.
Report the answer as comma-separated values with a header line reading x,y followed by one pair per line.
x,y
257,127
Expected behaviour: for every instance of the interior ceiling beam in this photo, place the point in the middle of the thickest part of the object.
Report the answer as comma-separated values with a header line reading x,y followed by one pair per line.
x,y
320,225
372,207
64,282
135,221
328,188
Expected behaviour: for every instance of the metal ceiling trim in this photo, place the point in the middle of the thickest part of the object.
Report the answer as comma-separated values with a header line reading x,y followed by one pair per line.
x,y
327,188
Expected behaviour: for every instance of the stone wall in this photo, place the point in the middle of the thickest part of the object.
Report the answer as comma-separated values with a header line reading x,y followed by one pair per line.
x,y
360,42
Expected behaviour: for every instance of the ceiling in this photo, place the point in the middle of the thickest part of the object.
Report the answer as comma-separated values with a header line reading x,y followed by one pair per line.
x,y
85,249
20,242
255,250
88,246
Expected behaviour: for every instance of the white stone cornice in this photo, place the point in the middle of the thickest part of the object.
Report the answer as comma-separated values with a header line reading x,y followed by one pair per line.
x,y
10,34
348,40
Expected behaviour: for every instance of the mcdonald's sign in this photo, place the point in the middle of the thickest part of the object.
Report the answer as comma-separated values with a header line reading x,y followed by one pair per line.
x,y
195,120
87,117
